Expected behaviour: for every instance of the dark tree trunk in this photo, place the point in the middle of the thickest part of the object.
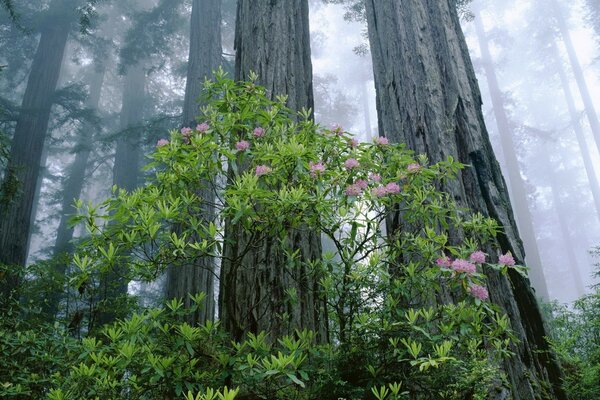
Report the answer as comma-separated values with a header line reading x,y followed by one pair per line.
x,y
590,110
272,39
72,190
517,186
204,58
27,148
576,124
125,174
428,98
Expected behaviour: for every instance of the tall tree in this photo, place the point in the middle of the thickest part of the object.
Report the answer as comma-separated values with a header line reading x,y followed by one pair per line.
x,y
272,40
590,109
74,185
125,176
204,57
427,97
29,137
517,186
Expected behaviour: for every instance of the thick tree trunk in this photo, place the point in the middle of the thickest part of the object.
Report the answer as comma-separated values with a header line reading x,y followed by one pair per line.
x,y
579,133
72,190
125,173
204,58
590,110
593,7
428,98
272,39
27,148
517,186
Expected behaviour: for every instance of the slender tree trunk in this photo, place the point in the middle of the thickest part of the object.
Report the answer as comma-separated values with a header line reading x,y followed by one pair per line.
x,y
562,210
580,135
428,98
517,186
590,110
366,111
26,150
72,190
204,57
272,39
125,176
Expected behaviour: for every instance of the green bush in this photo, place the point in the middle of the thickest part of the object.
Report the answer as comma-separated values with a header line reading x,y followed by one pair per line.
x,y
408,310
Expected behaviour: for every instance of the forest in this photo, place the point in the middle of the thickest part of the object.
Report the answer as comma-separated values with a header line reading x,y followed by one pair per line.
x,y
300,199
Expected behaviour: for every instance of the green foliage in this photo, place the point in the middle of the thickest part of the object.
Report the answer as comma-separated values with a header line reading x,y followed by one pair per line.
x,y
575,336
404,323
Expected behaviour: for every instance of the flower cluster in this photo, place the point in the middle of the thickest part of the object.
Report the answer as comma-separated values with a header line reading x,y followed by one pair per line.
x,y
382,141
507,259
463,266
258,132
479,292
262,170
351,163
316,168
242,145
162,142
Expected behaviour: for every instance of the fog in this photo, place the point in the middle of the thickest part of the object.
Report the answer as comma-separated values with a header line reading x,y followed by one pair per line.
x,y
527,53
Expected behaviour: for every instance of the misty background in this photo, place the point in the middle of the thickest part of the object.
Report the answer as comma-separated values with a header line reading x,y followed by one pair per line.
x,y
534,66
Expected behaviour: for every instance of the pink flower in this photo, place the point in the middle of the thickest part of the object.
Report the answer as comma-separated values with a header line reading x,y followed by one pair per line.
x,y
353,143
463,266
185,131
375,177
262,170
444,262
477,257
337,129
379,191
353,190
361,183
392,187
258,132
507,259
242,145
351,163
203,127
317,168
413,167
479,292
382,141
162,142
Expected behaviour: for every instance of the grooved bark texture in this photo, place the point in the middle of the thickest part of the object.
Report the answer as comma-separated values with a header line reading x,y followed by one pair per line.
x,y
204,58
517,186
205,52
27,147
272,39
428,98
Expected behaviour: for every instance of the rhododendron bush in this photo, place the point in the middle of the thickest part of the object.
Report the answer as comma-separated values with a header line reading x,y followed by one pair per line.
x,y
409,314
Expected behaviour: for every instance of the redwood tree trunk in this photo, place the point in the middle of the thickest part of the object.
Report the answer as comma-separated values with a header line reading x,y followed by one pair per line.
x,y
272,39
204,58
579,133
27,148
590,110
72,190
125,175
428,98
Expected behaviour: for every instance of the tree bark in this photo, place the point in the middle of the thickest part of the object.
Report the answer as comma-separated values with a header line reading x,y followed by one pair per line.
x,y
27,148
517,186
204,58
428,98
272,39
